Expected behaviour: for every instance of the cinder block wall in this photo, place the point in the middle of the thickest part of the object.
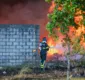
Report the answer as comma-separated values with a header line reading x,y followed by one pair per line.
x,y
17,43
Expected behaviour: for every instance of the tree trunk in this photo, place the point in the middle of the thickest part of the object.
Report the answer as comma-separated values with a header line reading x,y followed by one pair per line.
x,y
68,67
68,61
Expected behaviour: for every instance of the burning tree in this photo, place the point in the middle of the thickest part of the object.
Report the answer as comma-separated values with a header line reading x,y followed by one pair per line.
x,y
68,14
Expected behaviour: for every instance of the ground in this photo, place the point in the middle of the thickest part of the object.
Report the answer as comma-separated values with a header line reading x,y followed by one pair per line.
x,y
51,75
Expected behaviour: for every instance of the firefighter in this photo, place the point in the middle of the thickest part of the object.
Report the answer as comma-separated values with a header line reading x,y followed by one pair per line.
x,y
43,52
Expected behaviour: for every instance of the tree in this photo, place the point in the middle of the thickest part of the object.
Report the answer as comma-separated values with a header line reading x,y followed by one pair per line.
x,y
66,14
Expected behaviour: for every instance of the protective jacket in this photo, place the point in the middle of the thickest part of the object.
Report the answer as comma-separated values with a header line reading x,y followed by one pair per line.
x,y
44,48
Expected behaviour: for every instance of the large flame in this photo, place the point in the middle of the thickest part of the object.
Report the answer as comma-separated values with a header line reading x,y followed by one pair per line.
x,y
73,32
52,49
51,42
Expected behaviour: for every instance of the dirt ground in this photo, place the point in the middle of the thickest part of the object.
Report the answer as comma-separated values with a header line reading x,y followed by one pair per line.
x,y
36,76
46,75
52,75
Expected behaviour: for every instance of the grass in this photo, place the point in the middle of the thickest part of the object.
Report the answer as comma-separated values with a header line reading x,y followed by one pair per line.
x,y
26,73
27,78
71,79
78,79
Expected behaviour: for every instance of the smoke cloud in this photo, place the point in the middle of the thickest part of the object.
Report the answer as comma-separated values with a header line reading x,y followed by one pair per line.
x,y
25,12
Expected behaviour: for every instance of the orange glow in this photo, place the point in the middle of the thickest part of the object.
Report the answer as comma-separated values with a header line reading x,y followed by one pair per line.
x,y
73,32
52,6
52,51
78,19
80,30
77,33
59,8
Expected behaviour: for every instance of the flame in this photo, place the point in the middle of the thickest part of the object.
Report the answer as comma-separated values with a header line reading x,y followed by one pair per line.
x,y
79,30
52,50
73,32
78,19
52,6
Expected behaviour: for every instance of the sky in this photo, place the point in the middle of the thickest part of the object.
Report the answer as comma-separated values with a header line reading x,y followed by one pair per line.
x,y
25,12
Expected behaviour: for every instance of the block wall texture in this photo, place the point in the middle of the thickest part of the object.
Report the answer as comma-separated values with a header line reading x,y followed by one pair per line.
x,y
17,43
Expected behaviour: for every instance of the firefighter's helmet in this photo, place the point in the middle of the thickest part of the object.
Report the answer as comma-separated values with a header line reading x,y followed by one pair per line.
x,y
44,39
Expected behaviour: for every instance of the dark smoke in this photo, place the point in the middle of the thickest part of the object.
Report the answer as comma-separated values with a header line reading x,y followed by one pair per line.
x,y
24,12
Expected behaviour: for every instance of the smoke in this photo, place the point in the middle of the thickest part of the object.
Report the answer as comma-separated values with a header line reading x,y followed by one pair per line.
x,y
24,12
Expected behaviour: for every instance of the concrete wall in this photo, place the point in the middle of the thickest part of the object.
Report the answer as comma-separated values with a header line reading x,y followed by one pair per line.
x,y
17,43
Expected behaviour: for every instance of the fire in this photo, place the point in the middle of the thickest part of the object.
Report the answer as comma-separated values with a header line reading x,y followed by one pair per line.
x,y
78,19
60,8
52,6
52,49
73,32
80,30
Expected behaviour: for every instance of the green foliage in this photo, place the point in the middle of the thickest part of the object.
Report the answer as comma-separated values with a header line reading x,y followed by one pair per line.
x,y
48,0
65,17
77,47
25,70
80,3
62,17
